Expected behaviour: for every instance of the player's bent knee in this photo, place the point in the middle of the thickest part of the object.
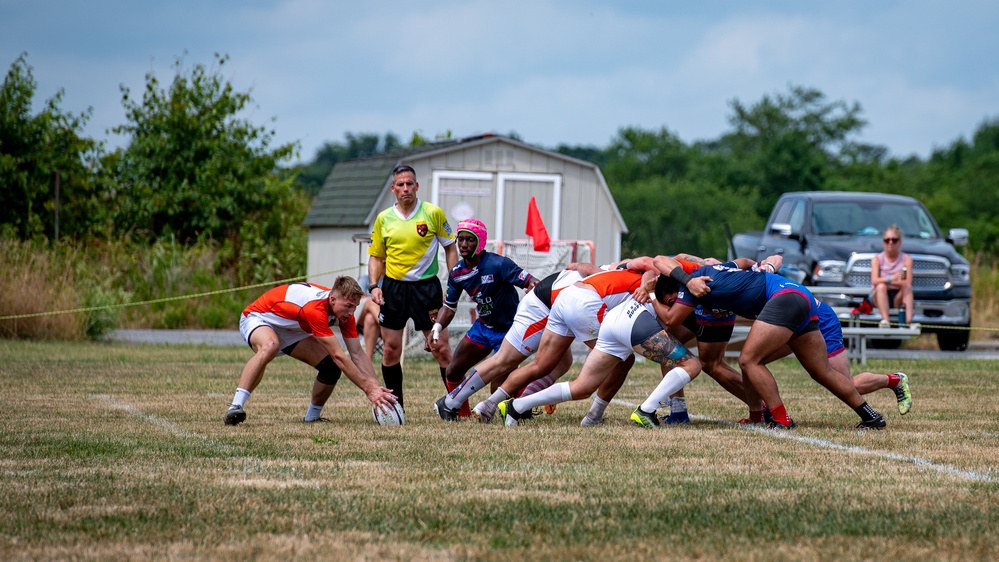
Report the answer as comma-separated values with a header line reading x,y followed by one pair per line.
x,y
328,371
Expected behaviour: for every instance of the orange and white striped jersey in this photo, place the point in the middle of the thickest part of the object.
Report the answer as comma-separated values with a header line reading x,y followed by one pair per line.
x,y
301,306
614,286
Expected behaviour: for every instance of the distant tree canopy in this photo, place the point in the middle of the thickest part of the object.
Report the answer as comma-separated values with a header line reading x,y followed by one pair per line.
x,y
194,170
37,152
310,176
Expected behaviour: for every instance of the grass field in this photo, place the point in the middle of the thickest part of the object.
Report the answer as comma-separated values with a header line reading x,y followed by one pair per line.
x,y
119,452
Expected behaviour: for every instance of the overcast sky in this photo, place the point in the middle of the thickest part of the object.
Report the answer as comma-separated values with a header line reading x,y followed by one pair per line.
x,y
554,71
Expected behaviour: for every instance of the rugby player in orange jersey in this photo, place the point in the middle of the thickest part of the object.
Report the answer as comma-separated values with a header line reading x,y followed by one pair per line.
x,y
297,320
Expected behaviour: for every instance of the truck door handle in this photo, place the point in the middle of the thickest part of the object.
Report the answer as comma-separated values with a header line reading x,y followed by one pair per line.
x,y
780,251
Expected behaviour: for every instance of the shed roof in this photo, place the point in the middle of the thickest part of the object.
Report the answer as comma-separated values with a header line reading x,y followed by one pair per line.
x,y
353,187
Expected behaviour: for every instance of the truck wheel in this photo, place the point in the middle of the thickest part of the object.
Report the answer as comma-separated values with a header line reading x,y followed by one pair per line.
x,y
953,340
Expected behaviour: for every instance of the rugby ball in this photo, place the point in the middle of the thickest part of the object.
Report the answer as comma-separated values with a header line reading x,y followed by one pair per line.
x,y
393,415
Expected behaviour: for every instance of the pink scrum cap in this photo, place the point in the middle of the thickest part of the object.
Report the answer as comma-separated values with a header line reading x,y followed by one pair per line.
x,y
476,228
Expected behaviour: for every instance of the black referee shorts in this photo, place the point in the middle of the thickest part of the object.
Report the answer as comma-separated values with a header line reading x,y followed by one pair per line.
x,y
419,300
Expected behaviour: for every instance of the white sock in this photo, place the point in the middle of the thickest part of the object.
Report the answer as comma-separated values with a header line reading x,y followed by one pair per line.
x,y
497,397
555,394
678,404
671,383
472,384
242,395
313,413
597,408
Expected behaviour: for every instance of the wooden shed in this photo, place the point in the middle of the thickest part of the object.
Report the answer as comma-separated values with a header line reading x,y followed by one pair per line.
x,y
489,177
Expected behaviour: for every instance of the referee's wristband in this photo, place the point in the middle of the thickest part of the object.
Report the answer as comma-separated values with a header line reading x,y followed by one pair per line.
x,y
372,287
680,275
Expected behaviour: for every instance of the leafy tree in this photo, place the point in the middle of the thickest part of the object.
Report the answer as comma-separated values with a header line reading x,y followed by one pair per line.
x,y
636,154
34,149
792,142
193,168
310,177
592,154
960,185
671,216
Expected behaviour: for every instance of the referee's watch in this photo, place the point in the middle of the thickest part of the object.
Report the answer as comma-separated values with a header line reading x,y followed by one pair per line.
x,y
372,287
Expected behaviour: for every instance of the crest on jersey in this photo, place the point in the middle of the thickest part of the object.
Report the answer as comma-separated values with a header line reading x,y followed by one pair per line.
x,y
422,229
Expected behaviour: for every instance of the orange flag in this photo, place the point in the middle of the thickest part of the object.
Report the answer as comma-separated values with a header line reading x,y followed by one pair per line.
x,y
536,228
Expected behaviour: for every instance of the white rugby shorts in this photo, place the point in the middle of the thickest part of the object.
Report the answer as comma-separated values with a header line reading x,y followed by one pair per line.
x,y
577,312
286,336
618,328
528,325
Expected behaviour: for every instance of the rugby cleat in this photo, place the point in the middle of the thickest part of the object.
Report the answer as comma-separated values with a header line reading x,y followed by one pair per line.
x,y
235,415
777,425
589,421
903,394
876,423
508,413
644,419
446,414
484,411
675,418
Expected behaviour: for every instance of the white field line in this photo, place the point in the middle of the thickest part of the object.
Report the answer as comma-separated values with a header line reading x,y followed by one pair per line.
x,y
826,444
169,426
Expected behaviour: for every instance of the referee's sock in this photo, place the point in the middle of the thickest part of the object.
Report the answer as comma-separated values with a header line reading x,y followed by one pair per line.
x,y
392,374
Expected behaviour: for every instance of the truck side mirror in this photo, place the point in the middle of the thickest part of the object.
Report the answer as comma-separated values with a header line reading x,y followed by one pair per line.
x,y
780,229
958,236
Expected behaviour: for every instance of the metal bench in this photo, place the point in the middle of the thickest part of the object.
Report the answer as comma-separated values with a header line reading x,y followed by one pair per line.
x,y
855,339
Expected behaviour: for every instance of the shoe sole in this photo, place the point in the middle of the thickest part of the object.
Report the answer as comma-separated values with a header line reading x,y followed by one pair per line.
x,y
235,418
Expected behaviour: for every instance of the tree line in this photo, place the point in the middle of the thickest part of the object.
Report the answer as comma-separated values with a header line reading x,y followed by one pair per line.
x,y
192,170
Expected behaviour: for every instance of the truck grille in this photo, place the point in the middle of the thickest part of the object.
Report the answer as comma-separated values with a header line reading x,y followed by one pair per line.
x,y
931,272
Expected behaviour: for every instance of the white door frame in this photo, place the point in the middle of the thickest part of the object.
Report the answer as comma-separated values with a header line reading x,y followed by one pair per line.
x,y
554,228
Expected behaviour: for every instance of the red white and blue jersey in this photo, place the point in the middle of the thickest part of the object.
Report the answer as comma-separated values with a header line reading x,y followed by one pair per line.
x,y
743,292
491,284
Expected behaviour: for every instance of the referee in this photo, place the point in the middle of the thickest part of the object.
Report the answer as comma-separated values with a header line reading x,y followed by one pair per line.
x,y
403,259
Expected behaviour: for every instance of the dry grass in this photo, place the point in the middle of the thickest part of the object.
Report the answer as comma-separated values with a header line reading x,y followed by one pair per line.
x,y
31,282
985,302
117,452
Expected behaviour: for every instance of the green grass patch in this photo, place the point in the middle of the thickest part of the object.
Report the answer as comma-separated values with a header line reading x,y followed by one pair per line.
x,y
118,452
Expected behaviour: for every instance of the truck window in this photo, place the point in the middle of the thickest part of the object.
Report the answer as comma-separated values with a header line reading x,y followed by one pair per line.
x,y
783,212
871,218
797,218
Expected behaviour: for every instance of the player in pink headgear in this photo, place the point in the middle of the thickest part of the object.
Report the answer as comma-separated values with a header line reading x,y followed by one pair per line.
x,y
477,229
491,280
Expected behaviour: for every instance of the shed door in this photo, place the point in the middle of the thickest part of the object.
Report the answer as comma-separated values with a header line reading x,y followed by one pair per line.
x,y
465,194
514,192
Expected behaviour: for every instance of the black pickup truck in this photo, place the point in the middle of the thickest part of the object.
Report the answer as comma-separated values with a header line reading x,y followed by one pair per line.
x,y
827,239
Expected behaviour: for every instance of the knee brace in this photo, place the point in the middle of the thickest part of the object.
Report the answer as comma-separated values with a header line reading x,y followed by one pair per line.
x,y
329,372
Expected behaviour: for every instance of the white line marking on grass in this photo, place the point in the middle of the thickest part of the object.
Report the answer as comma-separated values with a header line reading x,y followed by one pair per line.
x,y
159,422
826,444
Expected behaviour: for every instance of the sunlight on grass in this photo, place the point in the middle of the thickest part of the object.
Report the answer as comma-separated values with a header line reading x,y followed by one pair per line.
x,y
111,451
